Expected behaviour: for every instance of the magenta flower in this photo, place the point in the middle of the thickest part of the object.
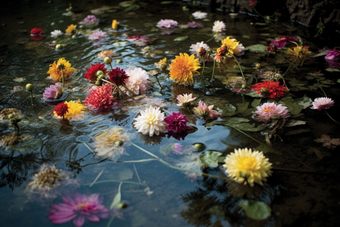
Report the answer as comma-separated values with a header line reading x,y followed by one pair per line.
x,y
194,24
101,99
332,54
279,43
97,35
53,91
89,19
177,123
333,64
203,111
137,37
322,103
78,207
167,23
270,110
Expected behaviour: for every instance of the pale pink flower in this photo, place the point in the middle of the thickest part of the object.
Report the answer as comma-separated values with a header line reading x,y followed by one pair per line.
x,y
138,81
167,23
194,48
89,20
328,142
239,50
185,99
322,103
270,110
98,35
202,110
199,15
219,26
54,91
194,24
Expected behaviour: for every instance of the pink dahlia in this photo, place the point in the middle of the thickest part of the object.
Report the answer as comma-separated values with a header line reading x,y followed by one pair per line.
x,y
98,35
89,19
203,110
167,23
281,42
332,54
322,103
53,91
138,81
177,123
101,99
78,207
118,76
270,110
194,24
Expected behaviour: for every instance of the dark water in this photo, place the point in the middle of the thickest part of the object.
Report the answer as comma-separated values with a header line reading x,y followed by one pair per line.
x,y
302,191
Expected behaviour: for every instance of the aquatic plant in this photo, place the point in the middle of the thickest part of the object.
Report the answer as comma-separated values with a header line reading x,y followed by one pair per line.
x,y
219,26
332,54
150,121
328,142
36,32
199,49
194,24
183,68
162,64
281,42
106,53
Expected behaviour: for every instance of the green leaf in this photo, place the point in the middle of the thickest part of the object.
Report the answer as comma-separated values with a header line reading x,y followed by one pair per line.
x,y
257,48
332,70
182,38
246,36
117,198
236,120
241,107
261,24
132,8
125,4
250,127
125,174
248,112
210,158
256,102
338,81
256,210
167,2
229,110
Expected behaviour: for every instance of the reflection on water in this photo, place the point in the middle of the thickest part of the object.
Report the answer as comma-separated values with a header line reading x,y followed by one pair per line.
x,y
173,179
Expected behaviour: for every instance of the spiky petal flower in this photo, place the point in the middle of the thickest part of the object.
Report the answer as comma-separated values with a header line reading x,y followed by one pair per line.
x,y
162,64
167,23
138,81
219,26
270,89
322,103
332,54
78,207
202,110
91,72
70,29
301,52
53,91
184,68
36,32
247,166
185,99
196,48
118,76
61,109
106,53
281,42
150,121
75,110
56,33
101,99
269,111
98,35
177,123
62,65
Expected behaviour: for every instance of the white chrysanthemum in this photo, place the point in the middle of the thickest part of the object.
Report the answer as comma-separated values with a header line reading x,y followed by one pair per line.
x,y
199,15
150,120
247,166
138,81
194,48
219,26
239,50
56,33
185,99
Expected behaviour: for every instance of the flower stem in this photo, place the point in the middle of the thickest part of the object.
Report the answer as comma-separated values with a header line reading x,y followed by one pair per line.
x,y
31,98
117,181
210,39
331,117
159,82
239,67
257,12
213,72
202,77
62,77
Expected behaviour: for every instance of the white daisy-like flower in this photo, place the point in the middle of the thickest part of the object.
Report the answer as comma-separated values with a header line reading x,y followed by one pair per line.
x,y
138,81
56,33
194,48
150,120
219,26
199,15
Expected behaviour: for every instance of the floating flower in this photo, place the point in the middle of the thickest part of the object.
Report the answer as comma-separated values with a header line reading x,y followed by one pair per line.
x,y
322,103
332,54
78,207
269,111
300,51
281,42
53,91
36,32
202,110
62,65
177,148
252,3
150,121
91,73
75,110
269,75
233,46
219,26
60,110
118,76
56,33
162,64
199,15
97,35
138,81
183,68
199,49
167,23
89,20
106,53
185,99
137,37
270,89
114,25
328,142
245,165
70,29
177,123
194,24
101,98
333,64
110,142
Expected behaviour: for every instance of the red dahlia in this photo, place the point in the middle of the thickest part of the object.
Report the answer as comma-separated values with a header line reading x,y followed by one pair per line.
x,y
101,99
252,3
118,76
270,89
61,109
36,32
91,72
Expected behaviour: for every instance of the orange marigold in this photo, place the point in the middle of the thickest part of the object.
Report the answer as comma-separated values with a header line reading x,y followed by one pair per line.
x,y
61,66
183,68
70,28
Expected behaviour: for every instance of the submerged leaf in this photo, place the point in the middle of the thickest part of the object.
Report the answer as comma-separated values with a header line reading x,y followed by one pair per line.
x,y
210,158
256,210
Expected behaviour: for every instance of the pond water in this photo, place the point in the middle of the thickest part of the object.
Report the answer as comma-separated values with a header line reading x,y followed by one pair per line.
x,y
167,179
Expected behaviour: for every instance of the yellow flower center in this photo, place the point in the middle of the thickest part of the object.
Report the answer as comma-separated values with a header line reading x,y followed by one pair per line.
x,y
83,204
151,118
268,109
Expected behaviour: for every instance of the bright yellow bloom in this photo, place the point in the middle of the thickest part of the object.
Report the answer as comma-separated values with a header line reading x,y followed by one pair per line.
x,y
300,51
183,68
161,64
62,64
231,45
247,166
75,110
70,28
114,25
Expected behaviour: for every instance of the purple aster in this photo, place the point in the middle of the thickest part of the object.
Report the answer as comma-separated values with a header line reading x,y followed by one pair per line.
x,y
332,54
53,91
194,24
177,148
89,19
167,23
176,122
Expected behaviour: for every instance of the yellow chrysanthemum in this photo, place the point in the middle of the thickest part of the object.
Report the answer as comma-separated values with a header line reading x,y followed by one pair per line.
x,y
161,64
231,45
75,110
300,51
247,166
62,64
70,29
183,68
114,25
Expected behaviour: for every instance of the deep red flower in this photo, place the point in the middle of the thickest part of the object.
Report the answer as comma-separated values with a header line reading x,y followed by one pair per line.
x,y
176,122
270,89
252,3
101,99
91,72
271,48
36,32
61,109
118,76
281,42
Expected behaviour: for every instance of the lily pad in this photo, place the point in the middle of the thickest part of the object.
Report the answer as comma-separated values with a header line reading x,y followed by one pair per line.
x,y
256,210
258,48
210,158
229,110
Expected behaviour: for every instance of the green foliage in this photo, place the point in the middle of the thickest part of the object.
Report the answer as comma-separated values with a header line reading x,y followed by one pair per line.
x,y
210,158
256,210
259,48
